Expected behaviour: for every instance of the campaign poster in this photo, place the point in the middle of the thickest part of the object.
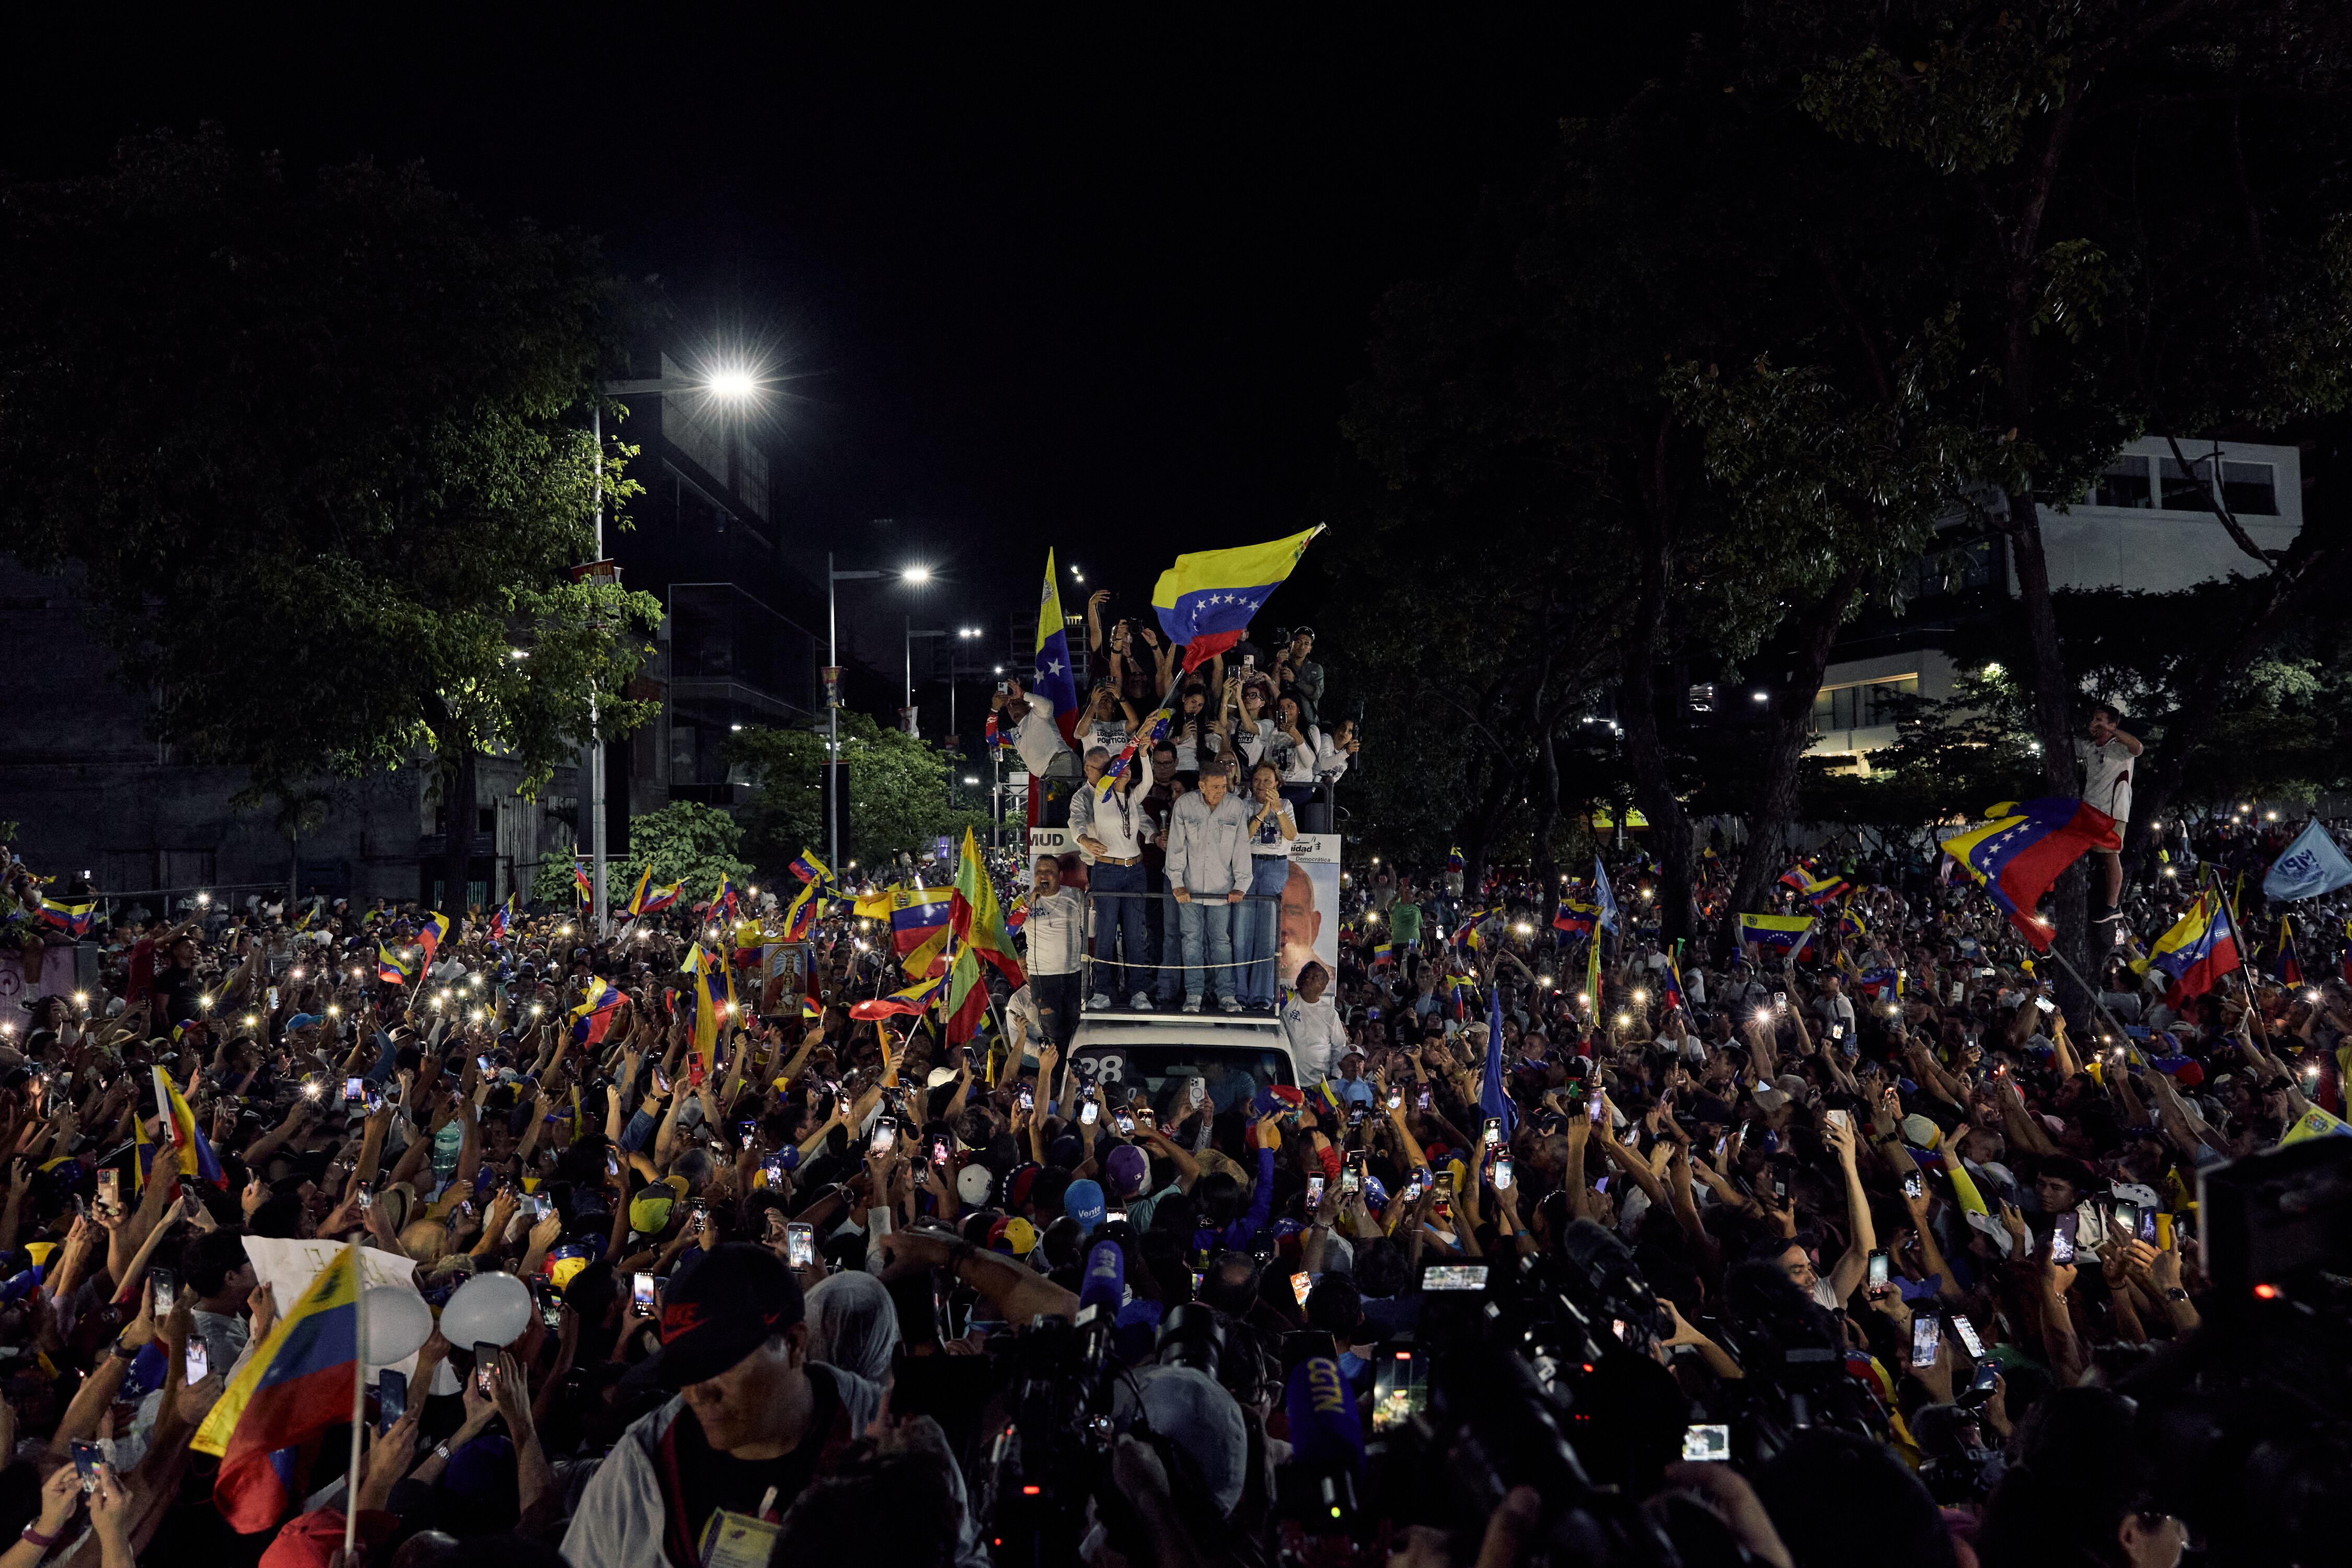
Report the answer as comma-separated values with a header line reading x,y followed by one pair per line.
x,y
1310,906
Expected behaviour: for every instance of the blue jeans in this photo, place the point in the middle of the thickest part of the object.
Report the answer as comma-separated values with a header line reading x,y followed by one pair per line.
x,y
1114,918
1208,923
1255,927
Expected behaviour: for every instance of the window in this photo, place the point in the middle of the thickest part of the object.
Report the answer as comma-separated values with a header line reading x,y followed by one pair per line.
x,y
2123,483
1862,706
2250,489
2189,488
753,488
1702,696
702,439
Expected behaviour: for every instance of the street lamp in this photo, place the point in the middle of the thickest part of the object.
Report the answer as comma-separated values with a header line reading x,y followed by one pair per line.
x,y
917,575
732,383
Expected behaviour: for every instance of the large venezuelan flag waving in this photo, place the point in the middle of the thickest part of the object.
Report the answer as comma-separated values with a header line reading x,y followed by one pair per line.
x,y
1205,600
300,1383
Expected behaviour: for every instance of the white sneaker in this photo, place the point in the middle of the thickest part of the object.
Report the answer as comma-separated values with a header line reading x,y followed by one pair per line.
x,y
1230,1003
1140,1002
1191,1003
1100,1001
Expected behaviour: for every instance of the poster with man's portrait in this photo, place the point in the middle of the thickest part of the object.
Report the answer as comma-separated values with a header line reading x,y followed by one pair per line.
x,y
1310,906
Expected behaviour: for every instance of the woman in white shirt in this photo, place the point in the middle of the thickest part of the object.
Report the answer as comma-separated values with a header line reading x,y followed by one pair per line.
x,y
1271,830
1245,721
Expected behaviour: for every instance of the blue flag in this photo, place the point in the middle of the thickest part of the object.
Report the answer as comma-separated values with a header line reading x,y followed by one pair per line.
x,y
1492,1099
2311,866
1602,896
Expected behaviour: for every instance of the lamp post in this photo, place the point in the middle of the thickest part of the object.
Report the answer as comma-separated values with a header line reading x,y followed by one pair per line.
x,y
732,384
916,576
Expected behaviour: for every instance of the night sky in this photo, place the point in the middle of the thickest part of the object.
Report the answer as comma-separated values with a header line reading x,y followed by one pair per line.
x,y
1088,283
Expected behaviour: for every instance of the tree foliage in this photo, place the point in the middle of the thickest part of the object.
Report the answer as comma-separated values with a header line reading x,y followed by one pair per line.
x,y
685,841
897,794
317,446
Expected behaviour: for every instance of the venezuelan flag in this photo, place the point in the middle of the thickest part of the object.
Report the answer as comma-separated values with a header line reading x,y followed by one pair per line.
x,y
1017,915
1575,918
806,905
1050,680
429,934
929,957
509,916
874,906
1879,984
1205,600
709,1004
2023,851
2288,965
809,869
912,1002
1782,933
298,1384
1153,730
724,900
594,1017
2200,948
915,913
195,1154
1384,952
1454,861
1850,924
1670,986
74,920
392,970
581,882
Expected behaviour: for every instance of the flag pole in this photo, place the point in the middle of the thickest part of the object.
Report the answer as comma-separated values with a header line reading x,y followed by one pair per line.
x,y
359,1400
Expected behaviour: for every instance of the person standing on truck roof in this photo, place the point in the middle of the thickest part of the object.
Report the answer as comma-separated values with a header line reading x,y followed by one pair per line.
x,y
1209,869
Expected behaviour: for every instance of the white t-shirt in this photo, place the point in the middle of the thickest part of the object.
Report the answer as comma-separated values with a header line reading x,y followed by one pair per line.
x,y
2106,776
1314,1034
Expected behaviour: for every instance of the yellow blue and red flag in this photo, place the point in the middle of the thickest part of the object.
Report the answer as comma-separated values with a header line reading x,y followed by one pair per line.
x,y
809,869
1670,983
74,920
299,1383
394,969
646,898
195,1154
1574,917
912,1002
2023,848
2288,964
594,1017
581,884
430,932
1782,933
1051,678
917,914
2200,948
508,916
1205,600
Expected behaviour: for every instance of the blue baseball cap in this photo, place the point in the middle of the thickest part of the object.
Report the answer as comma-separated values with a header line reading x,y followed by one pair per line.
x,y
1083,1202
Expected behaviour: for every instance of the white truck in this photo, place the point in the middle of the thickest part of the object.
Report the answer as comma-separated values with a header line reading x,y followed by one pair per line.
x,y
1157,1053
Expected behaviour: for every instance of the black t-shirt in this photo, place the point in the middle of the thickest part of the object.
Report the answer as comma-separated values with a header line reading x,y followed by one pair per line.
x,y
711,1480
178,989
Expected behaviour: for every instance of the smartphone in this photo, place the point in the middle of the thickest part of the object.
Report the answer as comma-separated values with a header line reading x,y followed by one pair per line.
x,y
745,1131
1837,1031
110,1191
612,1163
2062,1237
697,1215
87,1457
167,1290
1453,1276
1927,1337
1123,1121
1502,1174
800,1245
1838,1118
641,1295
1879,1268
885,1135
1424,1097
391,1397
1352,1179
1706,1443
1953,992
2163,1232
1399,1388
550,1310
1028,1098
1967,1332
196,1363
1196,1089
1494,1132
354,1090
1314,1193
1781,1000
1915,1186
1249,661
2046,1005
485,1362
2126,1220
1396,1100
1301,1284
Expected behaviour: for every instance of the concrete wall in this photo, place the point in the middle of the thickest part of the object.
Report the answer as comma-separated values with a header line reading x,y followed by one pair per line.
x,y
2160,550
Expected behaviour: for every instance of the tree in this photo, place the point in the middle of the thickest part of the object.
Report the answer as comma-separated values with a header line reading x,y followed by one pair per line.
x,y
552,886
684,842
897,794
317,447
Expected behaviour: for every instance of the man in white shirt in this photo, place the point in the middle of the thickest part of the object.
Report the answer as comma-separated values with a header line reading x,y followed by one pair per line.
x,y
1038,741
1310,1022
1112,831
1056,931
2106,758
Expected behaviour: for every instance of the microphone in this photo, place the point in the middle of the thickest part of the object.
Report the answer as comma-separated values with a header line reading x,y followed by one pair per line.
x,y
1318,1489
1104,1285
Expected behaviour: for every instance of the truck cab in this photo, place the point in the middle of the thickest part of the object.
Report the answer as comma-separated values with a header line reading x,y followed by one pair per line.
x,y
1157,1054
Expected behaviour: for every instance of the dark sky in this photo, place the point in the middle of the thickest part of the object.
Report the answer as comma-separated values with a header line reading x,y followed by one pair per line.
x,y
1082,283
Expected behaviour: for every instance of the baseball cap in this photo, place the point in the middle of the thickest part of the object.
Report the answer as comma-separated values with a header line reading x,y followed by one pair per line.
x,y
726,1307
1920,1131
650,1210
1083,1202
939,1076
1128,1166
1013,1236
973,1183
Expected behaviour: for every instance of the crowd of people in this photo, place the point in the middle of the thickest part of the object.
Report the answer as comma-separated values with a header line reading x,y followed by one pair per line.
x,y
1868,1247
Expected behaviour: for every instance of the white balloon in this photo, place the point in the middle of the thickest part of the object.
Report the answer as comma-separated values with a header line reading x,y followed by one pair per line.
x,y
398,1324
488,1308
